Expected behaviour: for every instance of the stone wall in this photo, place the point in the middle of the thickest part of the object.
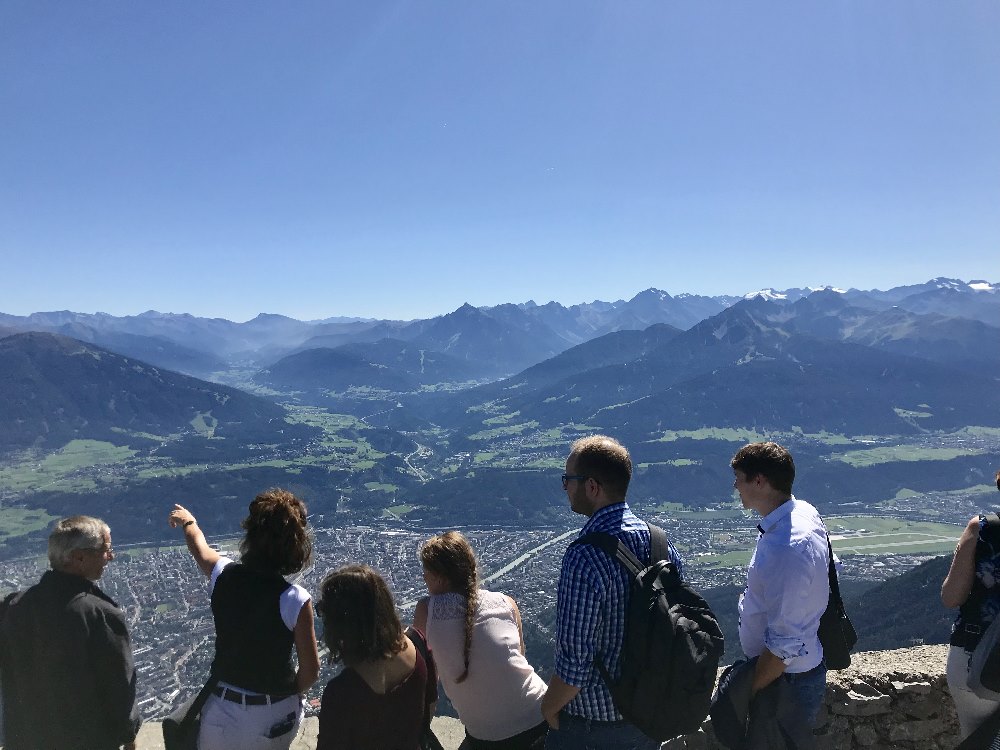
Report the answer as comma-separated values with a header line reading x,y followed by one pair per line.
x,y
449,731
886,699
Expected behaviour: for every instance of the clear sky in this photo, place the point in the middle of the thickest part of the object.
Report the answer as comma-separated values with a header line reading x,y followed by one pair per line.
x,y
396,159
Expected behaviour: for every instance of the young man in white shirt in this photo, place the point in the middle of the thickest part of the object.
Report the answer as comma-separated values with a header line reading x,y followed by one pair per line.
x,y
786,594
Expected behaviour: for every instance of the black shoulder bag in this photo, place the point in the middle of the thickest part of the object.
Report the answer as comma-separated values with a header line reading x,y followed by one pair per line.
x,y
836,633
181,732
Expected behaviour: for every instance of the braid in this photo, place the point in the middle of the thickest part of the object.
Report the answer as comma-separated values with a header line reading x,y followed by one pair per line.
x,y
471,601
450,555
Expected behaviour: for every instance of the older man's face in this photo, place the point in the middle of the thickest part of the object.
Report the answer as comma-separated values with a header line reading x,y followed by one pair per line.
x,y
94,561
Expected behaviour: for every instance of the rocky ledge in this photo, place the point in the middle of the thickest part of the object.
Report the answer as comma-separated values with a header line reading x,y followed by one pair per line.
x,y
886,700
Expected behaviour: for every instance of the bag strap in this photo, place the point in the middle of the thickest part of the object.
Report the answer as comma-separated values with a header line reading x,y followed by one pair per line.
x,y
834,580
420,643
195,710
612,546
659,547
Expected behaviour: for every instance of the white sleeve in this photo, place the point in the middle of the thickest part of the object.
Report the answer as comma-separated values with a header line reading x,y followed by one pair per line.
x,y
291,603
219,565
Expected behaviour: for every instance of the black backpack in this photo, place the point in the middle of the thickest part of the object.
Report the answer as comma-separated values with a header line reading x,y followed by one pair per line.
x,y
673,644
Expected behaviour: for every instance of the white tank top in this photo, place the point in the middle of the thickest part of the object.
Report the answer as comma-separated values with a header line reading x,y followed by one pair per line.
x,y
502,695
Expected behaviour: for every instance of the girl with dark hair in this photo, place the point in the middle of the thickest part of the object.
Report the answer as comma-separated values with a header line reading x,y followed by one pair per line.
x,y
259,617
385,696
478,642
973,585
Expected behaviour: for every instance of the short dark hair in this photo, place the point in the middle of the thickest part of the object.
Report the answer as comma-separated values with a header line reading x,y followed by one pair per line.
x,y
769,460
359,616
605,459
277,533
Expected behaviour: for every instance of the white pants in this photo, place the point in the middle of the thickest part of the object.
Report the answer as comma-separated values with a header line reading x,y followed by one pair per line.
x,y
972,710
232,726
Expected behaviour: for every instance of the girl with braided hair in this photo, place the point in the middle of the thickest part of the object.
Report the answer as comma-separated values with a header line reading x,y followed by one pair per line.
x,y
478,644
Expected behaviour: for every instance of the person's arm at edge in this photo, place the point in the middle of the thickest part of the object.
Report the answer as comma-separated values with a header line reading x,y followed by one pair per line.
x,y
306,649
203,555
958,583
420,616
517,619
768,668
559,693
420,623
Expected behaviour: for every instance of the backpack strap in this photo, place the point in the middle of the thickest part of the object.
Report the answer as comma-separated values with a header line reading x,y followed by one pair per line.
x,y
612,546
659,547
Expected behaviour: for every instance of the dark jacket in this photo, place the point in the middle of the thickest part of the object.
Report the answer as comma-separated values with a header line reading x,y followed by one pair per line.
x,y
67,669
740,722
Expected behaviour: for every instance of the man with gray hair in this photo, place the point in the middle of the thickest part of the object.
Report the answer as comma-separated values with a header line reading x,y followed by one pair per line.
x,y
65,656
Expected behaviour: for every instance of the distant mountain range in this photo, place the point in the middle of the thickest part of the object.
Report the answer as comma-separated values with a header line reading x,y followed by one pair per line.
x,y
491,341
416,416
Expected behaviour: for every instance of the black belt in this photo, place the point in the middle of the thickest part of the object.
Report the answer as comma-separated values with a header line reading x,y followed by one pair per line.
x,y
967,636
571,718
248,699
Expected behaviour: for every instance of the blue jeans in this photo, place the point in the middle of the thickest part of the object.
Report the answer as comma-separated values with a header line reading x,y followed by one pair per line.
x,y
577,733
783,715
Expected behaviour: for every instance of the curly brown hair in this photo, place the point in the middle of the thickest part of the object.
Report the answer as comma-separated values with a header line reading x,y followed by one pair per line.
x,y
359,616
277,533
450,556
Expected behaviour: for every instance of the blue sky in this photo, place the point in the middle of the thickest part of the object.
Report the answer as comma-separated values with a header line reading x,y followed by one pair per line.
x,y
396,159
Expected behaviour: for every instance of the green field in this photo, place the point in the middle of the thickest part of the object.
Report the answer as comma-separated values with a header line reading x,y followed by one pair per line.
x,y
204,424
397,511
731,559
673,462
727,434
19,521
890,535
380,487
60,470
888,454
504,431
860,535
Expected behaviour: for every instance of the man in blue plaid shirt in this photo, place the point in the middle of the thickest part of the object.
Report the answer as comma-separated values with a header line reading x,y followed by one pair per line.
x,y
592,599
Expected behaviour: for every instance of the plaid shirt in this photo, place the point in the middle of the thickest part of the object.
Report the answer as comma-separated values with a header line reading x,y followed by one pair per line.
x,y
590,610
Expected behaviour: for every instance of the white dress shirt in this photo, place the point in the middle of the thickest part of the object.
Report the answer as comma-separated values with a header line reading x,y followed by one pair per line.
x,y
788,587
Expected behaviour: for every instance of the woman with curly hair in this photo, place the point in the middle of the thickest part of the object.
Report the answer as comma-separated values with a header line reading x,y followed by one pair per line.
x,y
259,617
478,642
385,695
